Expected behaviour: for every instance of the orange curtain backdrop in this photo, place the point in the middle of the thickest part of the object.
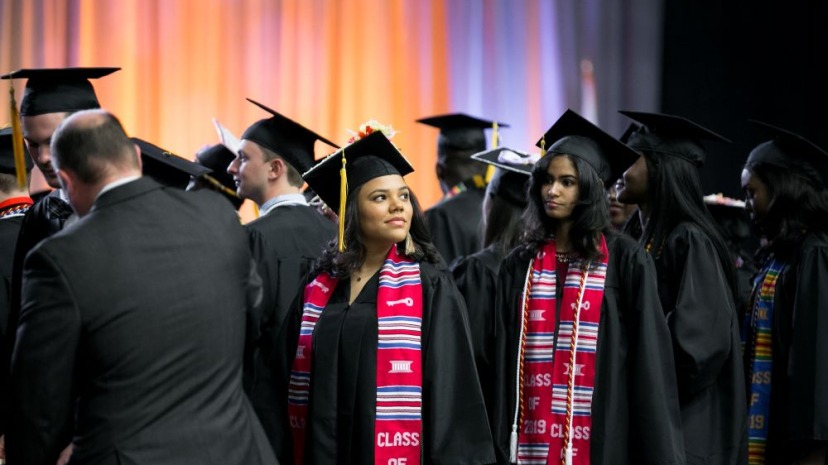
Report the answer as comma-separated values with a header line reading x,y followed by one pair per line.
x,y
329,64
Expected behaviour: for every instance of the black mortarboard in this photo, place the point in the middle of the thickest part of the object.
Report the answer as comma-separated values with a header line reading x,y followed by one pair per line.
x,y
56,90
460,132
285,137
662,134
167,168
368,158
7,153
792,152
574,135
513,171
217,158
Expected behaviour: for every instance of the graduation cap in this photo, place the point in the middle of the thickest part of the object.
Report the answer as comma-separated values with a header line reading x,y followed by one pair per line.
x,y
792,152
217,158
367,158
460,132
513,171
574,135
285,137
167,168
7,153
662,134
56,90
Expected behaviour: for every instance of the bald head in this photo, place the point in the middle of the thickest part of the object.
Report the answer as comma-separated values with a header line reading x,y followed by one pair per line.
x,y
92,145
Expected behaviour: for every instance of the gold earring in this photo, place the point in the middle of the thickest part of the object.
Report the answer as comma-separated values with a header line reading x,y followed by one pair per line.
x,y
410,248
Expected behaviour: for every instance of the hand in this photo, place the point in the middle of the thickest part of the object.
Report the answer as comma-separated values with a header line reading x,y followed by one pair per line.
x,y
63,459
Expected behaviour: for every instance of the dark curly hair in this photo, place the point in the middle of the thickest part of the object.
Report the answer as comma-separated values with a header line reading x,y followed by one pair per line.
x,y
341,264
797,205
590,215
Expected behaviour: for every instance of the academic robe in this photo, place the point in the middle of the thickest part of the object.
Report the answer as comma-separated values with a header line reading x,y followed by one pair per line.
x,y
285,242
46,217
455,224
799,380
704,326
476,279
342,404
635,410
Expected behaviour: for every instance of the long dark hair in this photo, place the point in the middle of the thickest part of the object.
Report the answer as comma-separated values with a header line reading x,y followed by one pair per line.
x,y
797,205
590,215
503,224
676,196
341,264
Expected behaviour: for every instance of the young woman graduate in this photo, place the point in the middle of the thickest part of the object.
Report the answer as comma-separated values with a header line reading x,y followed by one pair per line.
x,y
786,348
476,275
696,284
383,370
585,368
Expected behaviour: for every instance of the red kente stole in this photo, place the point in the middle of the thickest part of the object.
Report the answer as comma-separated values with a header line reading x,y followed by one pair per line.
x,y
557,378
398,424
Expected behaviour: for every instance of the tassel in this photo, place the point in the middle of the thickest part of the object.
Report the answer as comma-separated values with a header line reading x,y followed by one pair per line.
x,y
543,146
513,445
17,142
410,248
490,170
568,454
343,194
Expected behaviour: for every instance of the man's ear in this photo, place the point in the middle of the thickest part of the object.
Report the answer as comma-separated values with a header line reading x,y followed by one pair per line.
x,y
67,180
277,168
138,156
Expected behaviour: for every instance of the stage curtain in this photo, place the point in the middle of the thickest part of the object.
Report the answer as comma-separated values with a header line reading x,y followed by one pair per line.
x,y
329,64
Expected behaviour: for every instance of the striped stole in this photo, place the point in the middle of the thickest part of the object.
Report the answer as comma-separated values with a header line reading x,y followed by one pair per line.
x,y
559,375
399,378
759,359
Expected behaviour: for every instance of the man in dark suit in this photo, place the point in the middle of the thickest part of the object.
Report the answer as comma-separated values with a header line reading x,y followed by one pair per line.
x,y
285,240
132,325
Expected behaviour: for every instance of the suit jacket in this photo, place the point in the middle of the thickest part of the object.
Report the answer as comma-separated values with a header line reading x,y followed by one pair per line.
x,y
131,336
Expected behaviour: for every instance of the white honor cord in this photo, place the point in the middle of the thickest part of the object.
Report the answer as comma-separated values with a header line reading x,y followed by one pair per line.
x,y
513,438
575,327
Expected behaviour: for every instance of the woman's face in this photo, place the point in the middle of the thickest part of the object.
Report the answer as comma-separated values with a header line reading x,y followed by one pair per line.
x,y
756,196
560,191
635,186
385,210
619,212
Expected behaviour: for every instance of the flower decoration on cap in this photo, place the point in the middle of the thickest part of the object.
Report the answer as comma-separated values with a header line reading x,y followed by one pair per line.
x,y
369,127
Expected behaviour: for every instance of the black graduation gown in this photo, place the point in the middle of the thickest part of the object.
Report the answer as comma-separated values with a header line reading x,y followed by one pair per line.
x,y
635,411
284,243
476,279
46,217
704,326
342,402
455,224
799,391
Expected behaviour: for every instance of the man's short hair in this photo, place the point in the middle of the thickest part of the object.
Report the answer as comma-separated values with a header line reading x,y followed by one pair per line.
x,y
294,177
88,149
8,183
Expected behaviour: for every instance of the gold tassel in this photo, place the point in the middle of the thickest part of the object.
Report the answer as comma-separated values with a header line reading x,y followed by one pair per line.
x,y
17,142
490,170
343,194
410,248
543,146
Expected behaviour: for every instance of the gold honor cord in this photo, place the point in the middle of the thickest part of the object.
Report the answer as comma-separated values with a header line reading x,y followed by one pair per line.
x,y
17,141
